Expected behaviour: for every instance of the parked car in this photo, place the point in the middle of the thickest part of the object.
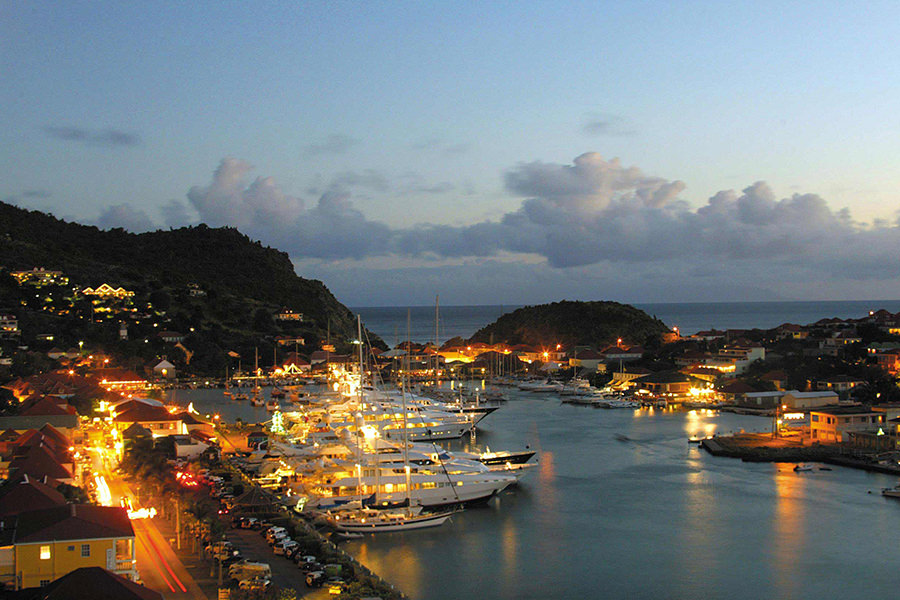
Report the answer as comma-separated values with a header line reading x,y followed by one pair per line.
x,y
250,523
281,548
255,584
311,567
315,578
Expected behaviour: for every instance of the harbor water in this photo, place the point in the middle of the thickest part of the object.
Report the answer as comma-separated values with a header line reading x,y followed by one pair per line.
x,y
621,506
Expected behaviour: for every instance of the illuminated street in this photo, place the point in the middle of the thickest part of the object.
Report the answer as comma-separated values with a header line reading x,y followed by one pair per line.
x,y
159,567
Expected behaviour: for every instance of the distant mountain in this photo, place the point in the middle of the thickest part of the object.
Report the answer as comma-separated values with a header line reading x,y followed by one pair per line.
x,y
573,323
239,284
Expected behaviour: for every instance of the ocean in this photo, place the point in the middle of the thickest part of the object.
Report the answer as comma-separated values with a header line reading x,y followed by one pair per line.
x,y
390,322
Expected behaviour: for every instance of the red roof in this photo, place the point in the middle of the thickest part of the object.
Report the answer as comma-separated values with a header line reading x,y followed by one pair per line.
x,y
39,462
27,493
141,412
73,522
95,583
47,406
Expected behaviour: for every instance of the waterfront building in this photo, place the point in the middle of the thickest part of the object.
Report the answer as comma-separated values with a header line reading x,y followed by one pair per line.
x,y
832,424
761,400
49,543
795,400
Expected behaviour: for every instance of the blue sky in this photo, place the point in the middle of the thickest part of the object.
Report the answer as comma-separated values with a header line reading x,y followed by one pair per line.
x,y
403,150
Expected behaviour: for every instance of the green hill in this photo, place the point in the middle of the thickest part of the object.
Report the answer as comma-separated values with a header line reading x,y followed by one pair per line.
x,y
573,323
214,284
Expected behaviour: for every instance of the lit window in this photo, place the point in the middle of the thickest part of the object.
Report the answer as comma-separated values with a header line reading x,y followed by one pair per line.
x,y
45,552
85,550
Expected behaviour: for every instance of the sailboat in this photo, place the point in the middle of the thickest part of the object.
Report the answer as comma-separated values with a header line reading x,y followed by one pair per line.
x,y
256,399
368,520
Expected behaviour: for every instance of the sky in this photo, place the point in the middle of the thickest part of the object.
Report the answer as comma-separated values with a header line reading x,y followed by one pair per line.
x,y
487,152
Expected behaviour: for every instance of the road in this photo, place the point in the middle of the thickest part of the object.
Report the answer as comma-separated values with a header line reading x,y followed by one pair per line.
x,y
159,568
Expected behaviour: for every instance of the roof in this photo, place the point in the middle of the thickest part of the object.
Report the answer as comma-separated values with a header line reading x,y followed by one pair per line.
x,y
845,410
737,387
91,583
27,493
665,377
73,522
796,394
37,421
47,406
39,462
136,430
255,497
141,412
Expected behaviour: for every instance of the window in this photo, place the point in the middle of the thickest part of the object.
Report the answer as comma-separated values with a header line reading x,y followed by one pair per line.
x,y
124,549
44,582
85,550
45,552
815,418
71,548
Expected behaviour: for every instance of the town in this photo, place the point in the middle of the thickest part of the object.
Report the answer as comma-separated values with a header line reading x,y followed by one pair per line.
x,y
107,478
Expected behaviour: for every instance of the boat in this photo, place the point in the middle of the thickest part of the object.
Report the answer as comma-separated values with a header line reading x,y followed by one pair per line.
x,y
802,468
239,396
272,405
376,521
893,492
277,392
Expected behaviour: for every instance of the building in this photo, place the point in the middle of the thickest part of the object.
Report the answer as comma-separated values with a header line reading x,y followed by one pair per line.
x,y
286,314
832,425
148,414
39,277
9,326
795,400
90,583
588,360
107,291
52,542
761,400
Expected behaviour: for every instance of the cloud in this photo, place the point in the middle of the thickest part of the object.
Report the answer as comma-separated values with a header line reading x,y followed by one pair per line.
x,y
442,146
594,214
607,125
333,144
126,217
331,229
368,179
94,137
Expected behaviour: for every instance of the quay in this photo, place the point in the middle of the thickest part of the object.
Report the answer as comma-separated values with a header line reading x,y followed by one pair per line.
x,y
762,447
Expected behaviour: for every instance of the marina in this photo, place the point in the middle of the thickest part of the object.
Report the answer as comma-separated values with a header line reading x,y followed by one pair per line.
x,y
620,502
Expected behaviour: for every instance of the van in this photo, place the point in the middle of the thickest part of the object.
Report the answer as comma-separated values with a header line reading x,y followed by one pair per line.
x,y
248,570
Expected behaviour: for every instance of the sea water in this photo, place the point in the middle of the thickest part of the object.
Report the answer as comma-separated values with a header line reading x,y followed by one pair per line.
x,y
390,323
621,506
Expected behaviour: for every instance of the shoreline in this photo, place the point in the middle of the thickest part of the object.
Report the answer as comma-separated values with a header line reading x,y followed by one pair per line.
x,y
755,447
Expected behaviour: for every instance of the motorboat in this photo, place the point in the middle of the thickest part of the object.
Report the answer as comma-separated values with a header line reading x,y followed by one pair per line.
x,y
801,468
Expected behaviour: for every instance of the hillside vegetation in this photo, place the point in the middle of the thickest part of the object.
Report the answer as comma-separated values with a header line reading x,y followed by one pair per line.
x,y
573,323
216,281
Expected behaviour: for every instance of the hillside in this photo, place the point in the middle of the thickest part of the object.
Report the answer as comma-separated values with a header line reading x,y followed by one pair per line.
x,y
225,286
573,323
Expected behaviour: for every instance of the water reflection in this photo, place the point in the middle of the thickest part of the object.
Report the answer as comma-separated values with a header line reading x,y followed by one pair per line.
x,y
789,528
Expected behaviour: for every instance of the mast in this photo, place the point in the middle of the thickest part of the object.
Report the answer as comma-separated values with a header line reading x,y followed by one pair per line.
x,y
405,430
436,342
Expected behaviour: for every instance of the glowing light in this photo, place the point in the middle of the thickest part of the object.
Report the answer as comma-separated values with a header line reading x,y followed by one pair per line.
x,y
142,513
104,497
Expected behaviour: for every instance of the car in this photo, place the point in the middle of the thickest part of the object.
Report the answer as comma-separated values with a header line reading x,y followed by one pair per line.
x,y
315,578
335,585
255,584
293,552
250,523
279,538
280,548
311,567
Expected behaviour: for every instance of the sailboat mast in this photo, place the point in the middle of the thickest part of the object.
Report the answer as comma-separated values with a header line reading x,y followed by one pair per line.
x,y
437,300
405,430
